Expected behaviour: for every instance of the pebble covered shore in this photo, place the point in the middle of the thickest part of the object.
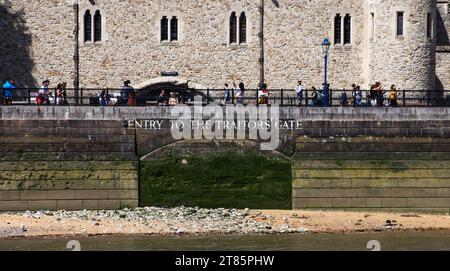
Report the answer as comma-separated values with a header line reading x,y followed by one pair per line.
x,y
184,220
180,220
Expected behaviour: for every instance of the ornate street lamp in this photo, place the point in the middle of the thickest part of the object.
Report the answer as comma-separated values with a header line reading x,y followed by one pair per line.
x,y
76,54
326,49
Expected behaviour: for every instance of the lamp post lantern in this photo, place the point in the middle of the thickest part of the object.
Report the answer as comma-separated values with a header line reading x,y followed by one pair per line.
x,y
76,54
326,49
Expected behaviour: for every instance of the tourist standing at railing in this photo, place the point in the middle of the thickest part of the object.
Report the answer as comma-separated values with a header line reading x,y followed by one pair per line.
x,y
227,94
44,94
59,94
173,100
234,93
132,97
8,88
64,94
358,97
379,93
162,98
393,96
125,92
315,97
240,94
103,100
343,99
299,90
354,95
263,95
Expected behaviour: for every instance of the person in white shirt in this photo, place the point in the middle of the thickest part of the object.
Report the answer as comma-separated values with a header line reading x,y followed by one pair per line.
x,y
44,92
299,92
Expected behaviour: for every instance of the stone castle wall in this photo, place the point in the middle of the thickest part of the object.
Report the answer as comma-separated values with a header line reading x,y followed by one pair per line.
x,y
408,60
294,31
443,45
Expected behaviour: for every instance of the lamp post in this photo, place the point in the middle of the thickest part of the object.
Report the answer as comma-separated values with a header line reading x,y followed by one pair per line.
x,y
261,44
76,54
326,49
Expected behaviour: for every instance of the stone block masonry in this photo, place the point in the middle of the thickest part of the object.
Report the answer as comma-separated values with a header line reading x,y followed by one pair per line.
x,y
346,158
38,43
372,174
71,165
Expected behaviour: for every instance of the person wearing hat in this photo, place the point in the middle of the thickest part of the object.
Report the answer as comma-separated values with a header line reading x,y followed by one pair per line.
x,y
7,91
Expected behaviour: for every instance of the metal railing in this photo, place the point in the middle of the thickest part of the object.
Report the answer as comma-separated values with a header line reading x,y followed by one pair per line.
x,y
281,97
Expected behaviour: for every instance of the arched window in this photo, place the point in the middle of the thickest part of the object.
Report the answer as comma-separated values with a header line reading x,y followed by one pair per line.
x,y
97,26
242,28
233,28
87,26
164,29
337,29
347,29
174,29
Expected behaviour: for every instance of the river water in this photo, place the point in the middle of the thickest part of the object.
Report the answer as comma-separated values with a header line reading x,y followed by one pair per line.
x,y
422,241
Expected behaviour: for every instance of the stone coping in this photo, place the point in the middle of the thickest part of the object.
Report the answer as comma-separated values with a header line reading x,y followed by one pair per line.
x,y
292,113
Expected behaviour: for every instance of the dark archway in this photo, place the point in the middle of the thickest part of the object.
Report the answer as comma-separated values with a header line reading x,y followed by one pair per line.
x,y
149,91
15,49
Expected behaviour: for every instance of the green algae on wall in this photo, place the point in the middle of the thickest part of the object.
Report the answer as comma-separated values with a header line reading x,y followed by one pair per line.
x,y
222,180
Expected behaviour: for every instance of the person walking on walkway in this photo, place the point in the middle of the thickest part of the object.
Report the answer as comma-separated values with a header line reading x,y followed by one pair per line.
x,y
44,94
227,94
299,90
125,92
8,88
241,93
60,94
393,96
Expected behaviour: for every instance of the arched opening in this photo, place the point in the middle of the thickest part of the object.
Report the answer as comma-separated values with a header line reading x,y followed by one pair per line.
x,y
87,26
215,174
233,28
164,29
97,26
174,29
242,28
149,91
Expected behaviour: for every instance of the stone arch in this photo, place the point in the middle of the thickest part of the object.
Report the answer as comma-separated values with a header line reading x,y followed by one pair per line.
x,y
199,147
169,80
149,90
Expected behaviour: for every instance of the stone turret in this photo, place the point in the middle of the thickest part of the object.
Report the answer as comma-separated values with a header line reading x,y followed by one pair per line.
x,y
402,53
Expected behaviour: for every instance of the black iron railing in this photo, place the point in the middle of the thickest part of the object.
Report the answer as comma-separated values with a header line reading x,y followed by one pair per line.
x,y
281,97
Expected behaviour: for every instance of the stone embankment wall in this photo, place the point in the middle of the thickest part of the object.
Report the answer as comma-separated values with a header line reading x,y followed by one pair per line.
x,y
345,158
399,164
67,164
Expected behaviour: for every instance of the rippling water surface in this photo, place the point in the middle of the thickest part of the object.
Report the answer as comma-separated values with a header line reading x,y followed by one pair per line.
x,y
388,241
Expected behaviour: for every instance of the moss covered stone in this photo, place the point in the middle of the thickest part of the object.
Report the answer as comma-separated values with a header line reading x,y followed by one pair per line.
x,y
228,180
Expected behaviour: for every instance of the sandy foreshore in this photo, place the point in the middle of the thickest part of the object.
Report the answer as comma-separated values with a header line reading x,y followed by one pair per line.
x,y
159,221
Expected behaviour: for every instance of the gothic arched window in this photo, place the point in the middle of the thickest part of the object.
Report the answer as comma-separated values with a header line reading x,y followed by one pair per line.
x,y
233,28
337,29
97,26
87,26
164,29
174,29
347,29
242,28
